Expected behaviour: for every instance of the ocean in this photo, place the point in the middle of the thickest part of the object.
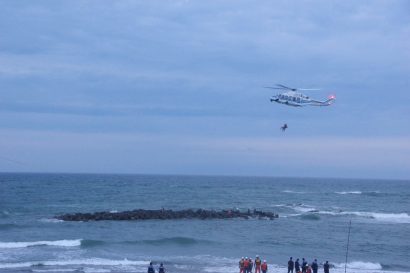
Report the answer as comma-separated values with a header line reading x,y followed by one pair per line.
x,y
313,222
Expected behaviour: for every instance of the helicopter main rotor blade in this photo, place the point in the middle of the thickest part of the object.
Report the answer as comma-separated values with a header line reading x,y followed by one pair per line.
x,y
309,89
270,87
286,87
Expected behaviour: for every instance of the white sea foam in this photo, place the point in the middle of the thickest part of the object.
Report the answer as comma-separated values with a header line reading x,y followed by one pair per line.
x,y
60,243
360,265
89,262
297,192
51,220
95,270
289,215
203,263
304,208
348,192
400,218
397,218
55,270
279,205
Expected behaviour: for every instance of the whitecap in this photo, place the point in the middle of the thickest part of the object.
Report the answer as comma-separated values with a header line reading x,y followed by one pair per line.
x,y
348,192
304,208
399,218
278,205
289,215
297,192
51,220
60,243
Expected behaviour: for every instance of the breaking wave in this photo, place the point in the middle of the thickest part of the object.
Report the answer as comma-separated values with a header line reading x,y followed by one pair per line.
x,y
200,263
360,265
303,208
308,212
400,218
91,261
60,243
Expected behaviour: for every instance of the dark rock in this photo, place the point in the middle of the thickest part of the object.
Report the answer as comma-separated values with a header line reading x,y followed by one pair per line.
x,y
141,214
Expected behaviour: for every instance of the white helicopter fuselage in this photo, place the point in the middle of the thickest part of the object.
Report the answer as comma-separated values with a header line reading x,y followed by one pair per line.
x,y
296,99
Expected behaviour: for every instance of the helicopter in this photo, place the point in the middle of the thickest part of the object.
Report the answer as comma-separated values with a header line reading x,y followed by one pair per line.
x,y
292,97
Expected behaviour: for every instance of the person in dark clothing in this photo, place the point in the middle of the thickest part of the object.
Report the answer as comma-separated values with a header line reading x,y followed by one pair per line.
x,y
161,268
250,265
304,265
315,266
297,266
326,267
291,265
241,265
151,268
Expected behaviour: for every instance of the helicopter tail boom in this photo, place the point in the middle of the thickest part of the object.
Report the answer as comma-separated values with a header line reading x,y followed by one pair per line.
x,y
326,102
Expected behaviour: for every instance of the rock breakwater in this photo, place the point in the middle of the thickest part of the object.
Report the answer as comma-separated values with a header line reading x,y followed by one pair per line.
x,y
163,214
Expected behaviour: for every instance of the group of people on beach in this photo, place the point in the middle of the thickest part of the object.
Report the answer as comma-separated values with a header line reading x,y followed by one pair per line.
x,y
151,269
246,265
305,267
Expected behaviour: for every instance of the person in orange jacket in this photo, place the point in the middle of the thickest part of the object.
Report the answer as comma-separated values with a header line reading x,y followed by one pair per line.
x,y
246,264
258,263
264,267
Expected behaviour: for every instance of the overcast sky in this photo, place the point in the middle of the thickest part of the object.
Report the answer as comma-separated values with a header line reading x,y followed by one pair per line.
x,y
176,87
